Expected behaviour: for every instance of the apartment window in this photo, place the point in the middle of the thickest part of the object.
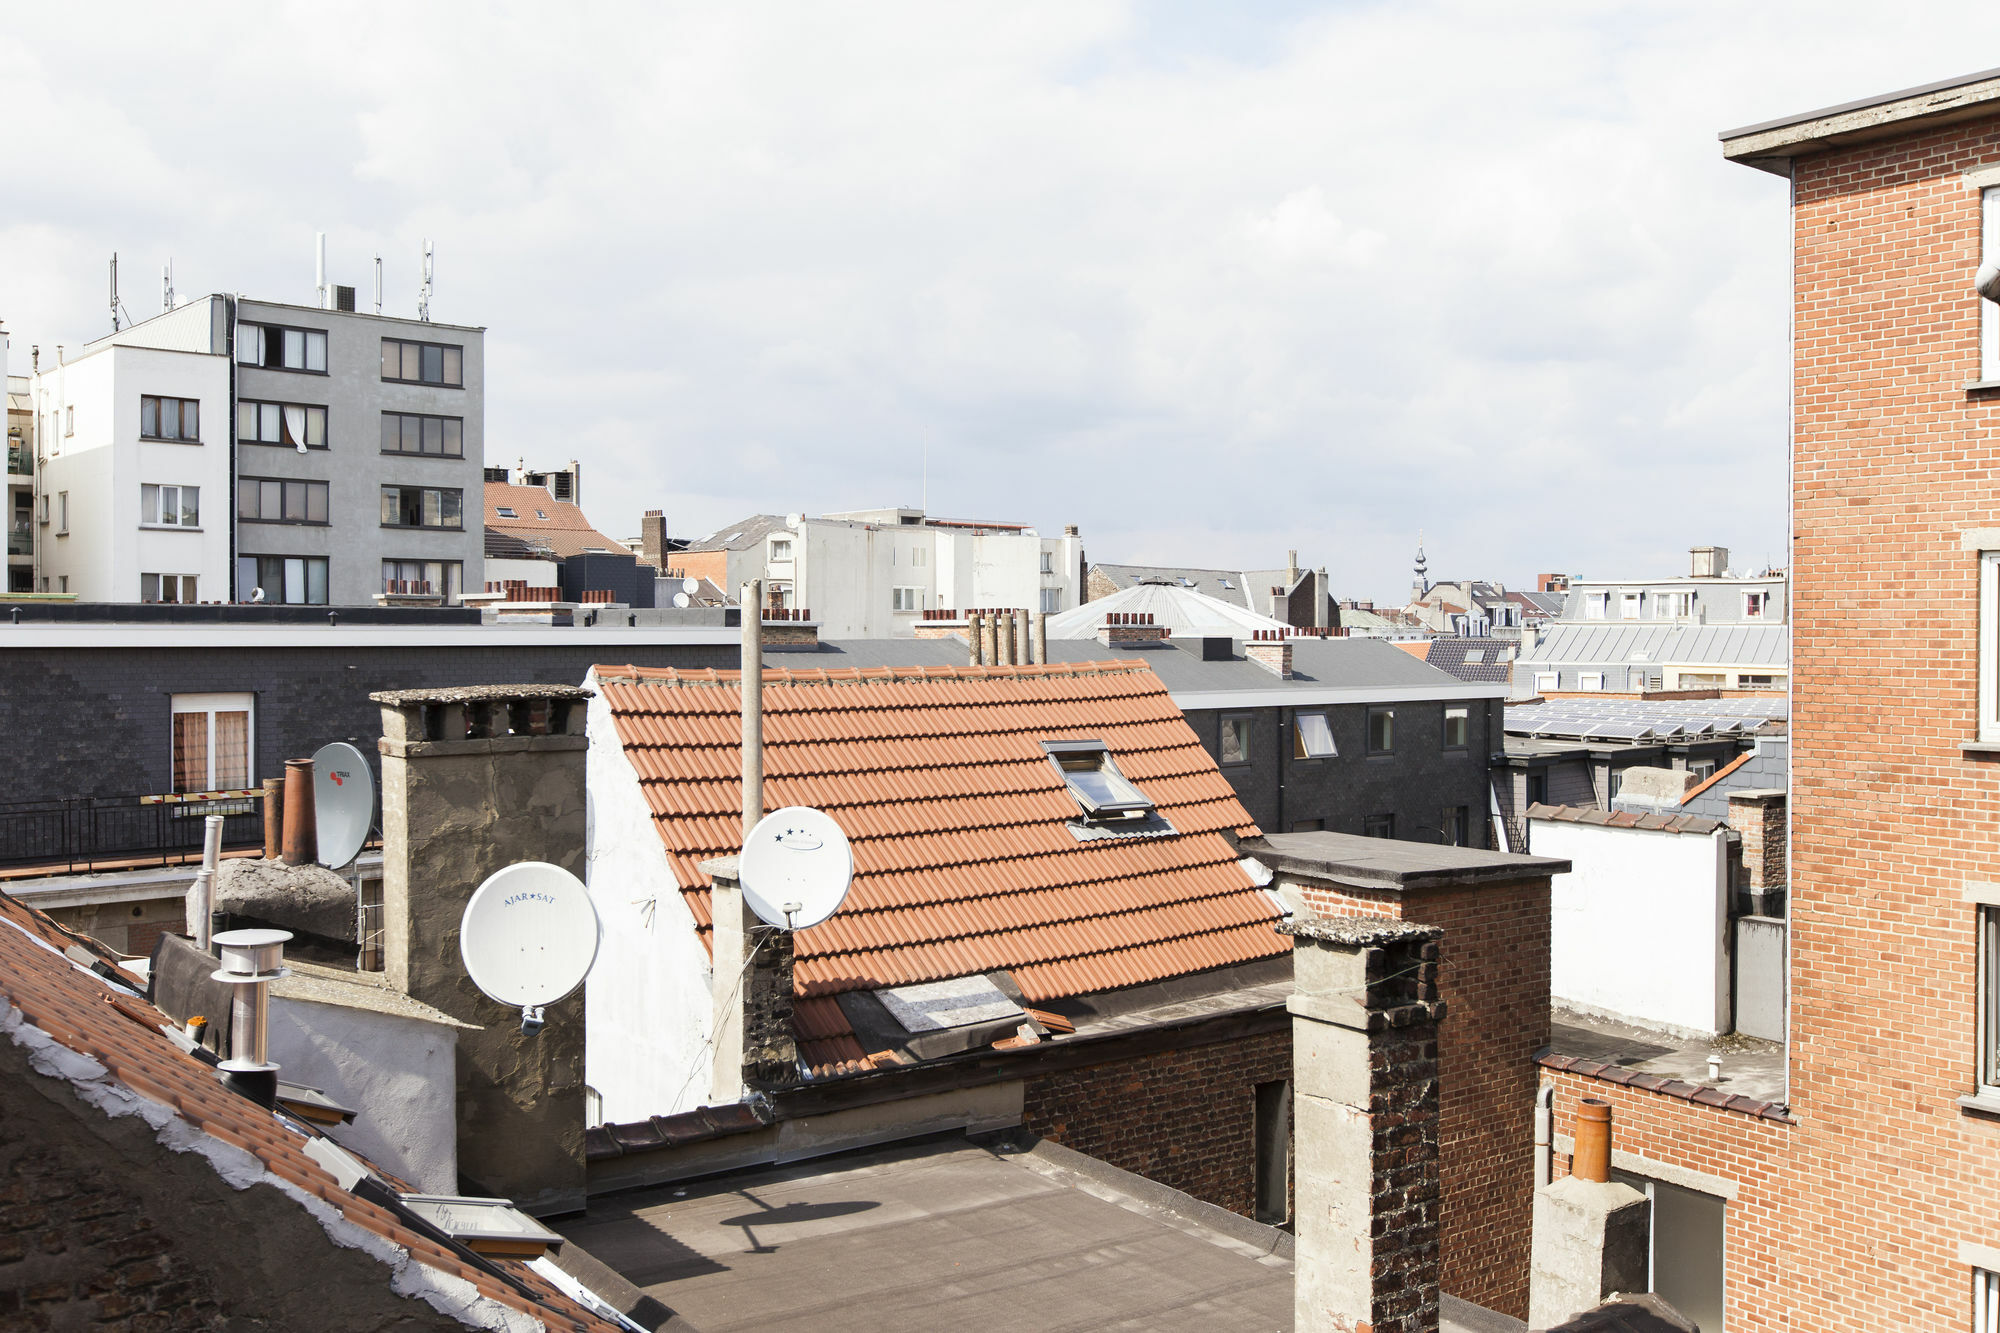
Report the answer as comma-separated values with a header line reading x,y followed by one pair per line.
x,y
69,421
1544,681
1756,682
1312,738
169,419
1051,601
1595,604
1381,731
446,577
1379,826
906,599
272,500
167,588
413,433
1235,745
1702,769
62,513
290,580
1702,680
212,746
170,506
423,363
1590,680
1989,313
1457,727
1453,821
44,515
1629,606
1673,605
1270,1188
1538,788
919,558
420,507
1048,562
778,596
1092,776
781,550
1754,604
288,424
1985,1285
276,348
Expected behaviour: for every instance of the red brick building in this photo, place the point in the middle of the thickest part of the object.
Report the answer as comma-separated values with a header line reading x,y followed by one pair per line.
x,y
1869,1204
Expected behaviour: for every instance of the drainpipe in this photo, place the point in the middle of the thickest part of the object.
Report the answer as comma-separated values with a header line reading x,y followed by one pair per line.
x,y
1545,1118
201,898
1284,758
251,961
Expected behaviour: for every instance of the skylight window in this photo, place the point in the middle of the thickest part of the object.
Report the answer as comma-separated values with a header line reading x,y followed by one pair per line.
x,y
540,514
1092,776
505,512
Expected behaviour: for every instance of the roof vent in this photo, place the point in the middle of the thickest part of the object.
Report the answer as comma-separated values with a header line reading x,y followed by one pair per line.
x,y
491,1227
251,961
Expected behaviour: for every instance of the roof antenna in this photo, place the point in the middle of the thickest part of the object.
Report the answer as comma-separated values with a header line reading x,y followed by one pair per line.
x,y
114,291
424,290
167,286
378,284
319,270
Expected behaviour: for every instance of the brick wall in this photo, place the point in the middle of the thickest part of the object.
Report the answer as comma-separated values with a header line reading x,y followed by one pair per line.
x,y
1494,982
1185,1118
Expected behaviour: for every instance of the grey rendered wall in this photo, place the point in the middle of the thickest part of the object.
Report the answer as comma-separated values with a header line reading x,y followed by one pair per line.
x,y
1760,977
352,390
115,703
1416,783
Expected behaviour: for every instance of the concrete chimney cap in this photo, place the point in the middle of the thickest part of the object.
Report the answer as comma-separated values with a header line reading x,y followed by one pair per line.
x,y
466,694
1358,930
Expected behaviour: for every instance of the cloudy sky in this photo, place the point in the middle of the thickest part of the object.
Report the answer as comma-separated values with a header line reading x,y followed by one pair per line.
x,y
1210,280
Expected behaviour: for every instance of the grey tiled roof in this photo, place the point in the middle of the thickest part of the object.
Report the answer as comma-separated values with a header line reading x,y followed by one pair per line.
x,y
1485,661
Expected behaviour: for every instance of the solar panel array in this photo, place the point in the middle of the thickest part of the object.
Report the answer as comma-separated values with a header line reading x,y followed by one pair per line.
x,y
1644,719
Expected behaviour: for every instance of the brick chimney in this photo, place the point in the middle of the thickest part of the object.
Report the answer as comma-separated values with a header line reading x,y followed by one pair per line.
x,y
1130,627
653,540
1270,649
474,780
1758,816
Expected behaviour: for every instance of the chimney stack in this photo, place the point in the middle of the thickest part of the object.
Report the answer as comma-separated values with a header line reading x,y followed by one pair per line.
x,y
301,837
653,540
1592,1237
1710,562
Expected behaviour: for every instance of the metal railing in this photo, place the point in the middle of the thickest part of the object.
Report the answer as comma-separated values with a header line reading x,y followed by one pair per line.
x,y
112,832
20,460
20,537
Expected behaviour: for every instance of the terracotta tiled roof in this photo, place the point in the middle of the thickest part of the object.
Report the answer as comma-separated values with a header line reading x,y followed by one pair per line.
x,y
78,1009
565,532
1702,1093
1417,648
964,859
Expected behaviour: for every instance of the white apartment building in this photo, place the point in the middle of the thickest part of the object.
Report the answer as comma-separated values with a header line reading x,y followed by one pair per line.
x,y
1711,594
19,510
872,573
231,449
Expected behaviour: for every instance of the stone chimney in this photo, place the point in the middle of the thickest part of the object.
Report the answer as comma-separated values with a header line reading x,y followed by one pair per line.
x,y
1365,1011
474,780
1270,649
653,540
1592,1237
1758,816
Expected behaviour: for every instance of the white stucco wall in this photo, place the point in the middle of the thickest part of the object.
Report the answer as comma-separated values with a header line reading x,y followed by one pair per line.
x,y
399,1073
1638,925
645,1046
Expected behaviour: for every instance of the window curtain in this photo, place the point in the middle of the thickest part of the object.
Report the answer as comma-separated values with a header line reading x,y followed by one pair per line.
x,y
232,751
190,752
295,426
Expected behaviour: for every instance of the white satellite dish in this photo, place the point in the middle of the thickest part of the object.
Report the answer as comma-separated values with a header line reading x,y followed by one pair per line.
x,y
1987,281
343,802
681,599
528,937
690,586
794,521
796,867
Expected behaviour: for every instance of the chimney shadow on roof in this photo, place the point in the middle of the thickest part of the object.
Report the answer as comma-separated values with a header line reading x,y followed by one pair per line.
x,y
786,1213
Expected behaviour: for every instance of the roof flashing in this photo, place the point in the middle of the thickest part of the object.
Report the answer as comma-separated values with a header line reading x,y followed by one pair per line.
x,y
1772,144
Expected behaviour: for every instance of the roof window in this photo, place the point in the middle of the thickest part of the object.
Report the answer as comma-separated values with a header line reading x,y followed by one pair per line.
x,y
540,514
1092,776
505,512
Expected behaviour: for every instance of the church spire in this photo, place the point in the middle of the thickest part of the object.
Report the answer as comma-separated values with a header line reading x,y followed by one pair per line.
x,y
1423,580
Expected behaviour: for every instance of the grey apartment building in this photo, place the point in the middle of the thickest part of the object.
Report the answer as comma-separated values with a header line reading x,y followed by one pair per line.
x,y
288,453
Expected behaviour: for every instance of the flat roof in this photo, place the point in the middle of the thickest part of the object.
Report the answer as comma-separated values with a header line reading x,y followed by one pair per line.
x,y
1770,145
599,639
1386,863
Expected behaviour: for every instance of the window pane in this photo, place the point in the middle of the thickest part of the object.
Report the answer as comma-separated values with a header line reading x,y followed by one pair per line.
x,y
392,359
270,419
149,417
454,438
413,434
433,365
316,427
392,510
249,345
295,581
295,500
149,504
392,432
191,506
454,366
295,426
232,751
1314,736
246,421
433,435
1235,741
170,418
431,517
316,582
315,351
413,361
191,419
316,493
246,499
295,349
450,508
190,751
271,499
246,576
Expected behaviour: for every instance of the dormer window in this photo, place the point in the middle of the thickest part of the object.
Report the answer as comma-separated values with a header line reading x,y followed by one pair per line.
x,y
1092,776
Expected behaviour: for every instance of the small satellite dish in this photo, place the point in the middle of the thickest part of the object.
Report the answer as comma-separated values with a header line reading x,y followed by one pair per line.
x,y
690,586
343,802
796,867
793,521
528,937
1987,281
681,599
256,595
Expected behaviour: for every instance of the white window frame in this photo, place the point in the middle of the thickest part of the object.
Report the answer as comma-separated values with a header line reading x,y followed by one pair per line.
x,y
919,558
1596,605
1242,726
1051,601
905,601
1547,680
62,513
1755,604
212,704
1463,714
1986,1060
1989,646
781,551
153,510
1985,1301
183,583
1989,312
1590,680
1312,737
1631,605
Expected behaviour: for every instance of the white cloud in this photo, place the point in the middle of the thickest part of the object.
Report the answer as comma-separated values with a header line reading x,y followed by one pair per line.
x,y
1213,282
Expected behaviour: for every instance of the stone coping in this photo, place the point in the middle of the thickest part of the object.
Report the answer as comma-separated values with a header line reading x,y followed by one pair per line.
x,y
1701,1093
1385,863
466,694
1361,931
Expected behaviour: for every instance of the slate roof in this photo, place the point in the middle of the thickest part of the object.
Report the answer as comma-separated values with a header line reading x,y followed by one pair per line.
x,y
1482,661
62,1001
1614,642
965,862
565,532
1189,614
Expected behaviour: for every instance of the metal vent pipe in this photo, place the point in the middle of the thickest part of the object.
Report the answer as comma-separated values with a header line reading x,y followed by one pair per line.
x,y
251,961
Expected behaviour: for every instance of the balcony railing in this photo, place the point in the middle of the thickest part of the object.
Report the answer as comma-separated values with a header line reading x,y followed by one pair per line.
x,y
21,537
114,832
20,460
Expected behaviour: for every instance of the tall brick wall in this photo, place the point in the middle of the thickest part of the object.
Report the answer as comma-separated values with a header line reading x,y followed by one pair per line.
x,y
1185,1118
1494,981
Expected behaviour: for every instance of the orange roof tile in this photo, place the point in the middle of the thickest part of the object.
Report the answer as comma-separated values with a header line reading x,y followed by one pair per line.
x,y
77,1008
1419,648
964,861
565,532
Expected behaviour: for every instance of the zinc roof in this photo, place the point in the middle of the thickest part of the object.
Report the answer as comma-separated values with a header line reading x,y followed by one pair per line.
x,y
964,859
1615,642
1183,610
121,1033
